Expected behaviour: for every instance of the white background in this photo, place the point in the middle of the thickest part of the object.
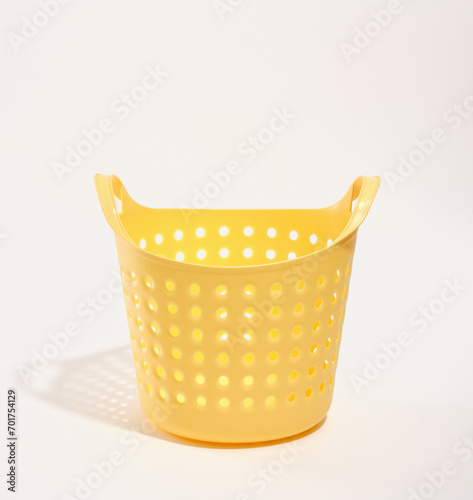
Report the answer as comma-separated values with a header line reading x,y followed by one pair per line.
x,y
226,75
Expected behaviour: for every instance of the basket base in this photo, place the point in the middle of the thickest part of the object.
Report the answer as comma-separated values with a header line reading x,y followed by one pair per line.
x,y
233,443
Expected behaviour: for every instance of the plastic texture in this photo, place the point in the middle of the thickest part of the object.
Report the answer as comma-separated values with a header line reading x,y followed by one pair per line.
x,y
235,316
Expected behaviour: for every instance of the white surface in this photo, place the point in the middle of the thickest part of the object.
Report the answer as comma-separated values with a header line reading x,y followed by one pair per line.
x,y
225,78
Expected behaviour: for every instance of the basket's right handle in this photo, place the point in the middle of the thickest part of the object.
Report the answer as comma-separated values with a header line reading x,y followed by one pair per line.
x,y
108,188
363,191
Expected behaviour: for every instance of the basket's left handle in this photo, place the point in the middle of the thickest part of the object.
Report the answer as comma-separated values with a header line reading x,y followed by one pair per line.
x,y
109,189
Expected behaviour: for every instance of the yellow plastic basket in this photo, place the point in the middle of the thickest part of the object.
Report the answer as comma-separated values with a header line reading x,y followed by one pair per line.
x,y
235,316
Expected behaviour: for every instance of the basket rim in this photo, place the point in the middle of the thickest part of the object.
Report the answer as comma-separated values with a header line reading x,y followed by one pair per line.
x,y
108,186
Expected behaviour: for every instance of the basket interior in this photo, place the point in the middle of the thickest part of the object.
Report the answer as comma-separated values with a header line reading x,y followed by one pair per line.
x,y
234,237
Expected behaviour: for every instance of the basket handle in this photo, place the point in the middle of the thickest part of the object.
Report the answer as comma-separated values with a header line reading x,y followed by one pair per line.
x,y
362,191
110,188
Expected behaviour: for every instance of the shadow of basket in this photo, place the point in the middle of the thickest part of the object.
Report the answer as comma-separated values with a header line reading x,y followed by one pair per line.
x,y
103,387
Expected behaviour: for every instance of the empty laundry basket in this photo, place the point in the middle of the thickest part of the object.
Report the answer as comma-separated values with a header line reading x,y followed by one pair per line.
x,y
235,316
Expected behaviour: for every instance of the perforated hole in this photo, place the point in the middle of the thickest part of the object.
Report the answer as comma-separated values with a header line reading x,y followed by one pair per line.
x,y
249,335
272,378
143,243
152,305
197,334
321,280
143,344
325,365
249,312
223,231
330,320
178,376
291,397
145,366
248,252
200,232
160,372
248,231
274,311
249,289
329,242
158,239
224,403
333,298
276,287
222,313
316,326
248,380
223,358
198,357
201,254
176,354
223,252
291,255
149,388
318,303
194,288
221,290
308,392
200,379
149,282
271,232
313,348
162,393
178,235
223,380
336,275
222,336
180,398
247,402
180,256
322,387
273,356
136,300
140,322
248,357
172,308
300,285
311,370
293,235
270,254
296,330
154,327
201,401
270,400
274,333
196,311
298,308
133,277
294,353
174,331
313,239
170,286
327,343
293,375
